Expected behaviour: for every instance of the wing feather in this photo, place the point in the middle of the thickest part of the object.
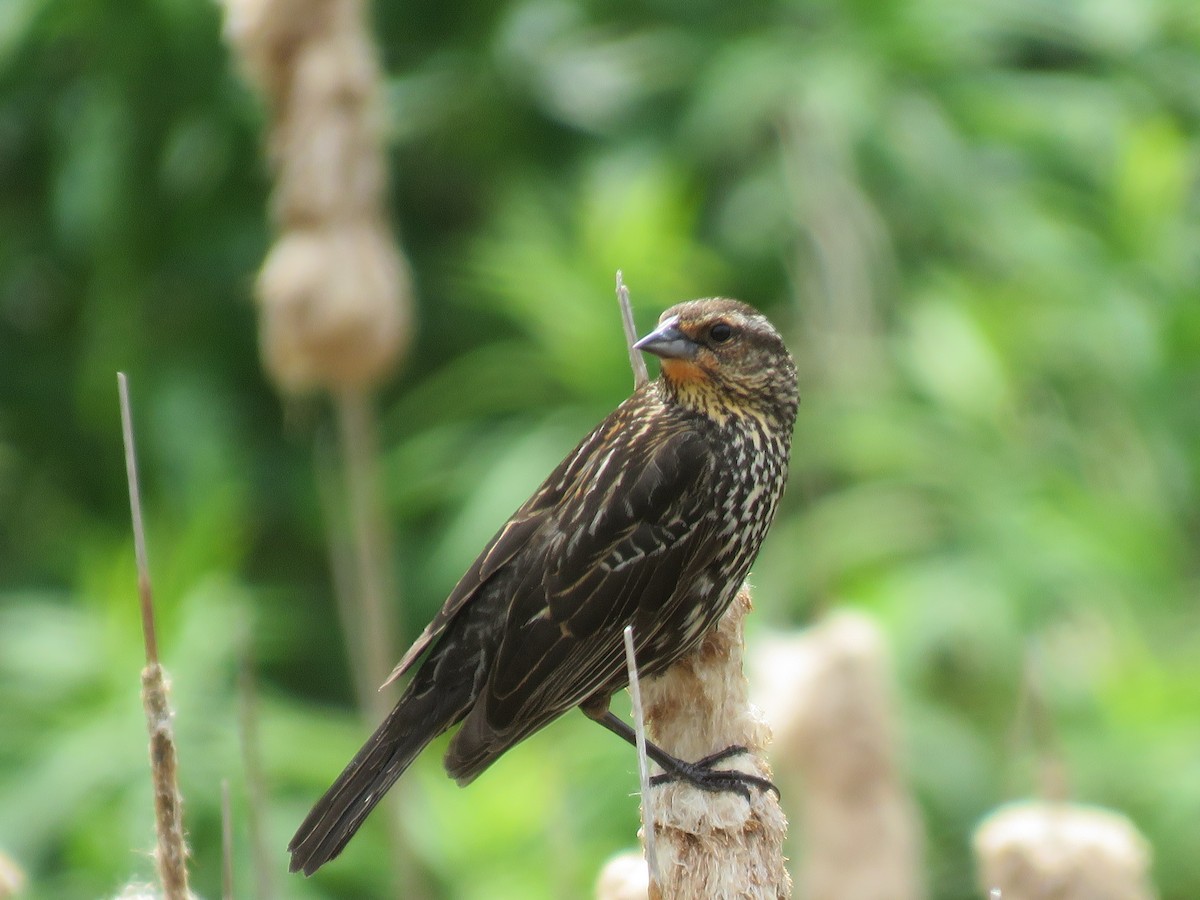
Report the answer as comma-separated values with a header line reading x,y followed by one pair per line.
x,y
616,557
511,539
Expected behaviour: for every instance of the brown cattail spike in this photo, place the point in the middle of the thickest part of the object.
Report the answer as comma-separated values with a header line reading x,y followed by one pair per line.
x,y
12,878
1060,851
715,844
171,852
334,292
624,877
826,692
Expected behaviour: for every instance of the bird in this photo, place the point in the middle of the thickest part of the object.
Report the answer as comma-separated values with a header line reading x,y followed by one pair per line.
x,y
652,521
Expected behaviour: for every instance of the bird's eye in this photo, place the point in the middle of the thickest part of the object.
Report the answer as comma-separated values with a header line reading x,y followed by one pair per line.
x,y
720,332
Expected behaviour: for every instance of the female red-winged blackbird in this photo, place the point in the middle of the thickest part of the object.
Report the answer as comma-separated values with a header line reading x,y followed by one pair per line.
x,y
652,521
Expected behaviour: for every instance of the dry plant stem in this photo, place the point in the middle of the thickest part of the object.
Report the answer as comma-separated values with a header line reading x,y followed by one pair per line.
x,y
636,361
715,844
226,843
171,852
256,793
373,580
356,424
1034,726
639,728
341,563
145,596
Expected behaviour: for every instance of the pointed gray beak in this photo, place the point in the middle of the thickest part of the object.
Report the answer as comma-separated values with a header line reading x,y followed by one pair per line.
x,y
668,342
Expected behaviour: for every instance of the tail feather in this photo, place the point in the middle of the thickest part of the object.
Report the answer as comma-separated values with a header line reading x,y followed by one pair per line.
x,y
411,725
478,744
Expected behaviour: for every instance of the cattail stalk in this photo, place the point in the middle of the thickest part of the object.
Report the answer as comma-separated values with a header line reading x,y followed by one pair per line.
x,y
715,844
827,694
171,852
707,844
256,792
636,361
639,729
226,842
372,575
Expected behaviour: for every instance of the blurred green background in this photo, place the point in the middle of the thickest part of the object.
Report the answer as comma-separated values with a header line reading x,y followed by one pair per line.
x,y
977,224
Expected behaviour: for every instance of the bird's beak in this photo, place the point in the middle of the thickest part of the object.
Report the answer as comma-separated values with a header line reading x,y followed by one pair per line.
x,y
668,342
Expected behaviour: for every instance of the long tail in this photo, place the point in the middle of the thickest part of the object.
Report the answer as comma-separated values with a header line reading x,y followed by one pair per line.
x,y
410,726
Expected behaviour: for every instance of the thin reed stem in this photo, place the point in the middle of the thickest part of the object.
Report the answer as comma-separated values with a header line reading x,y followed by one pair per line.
x,y
171,852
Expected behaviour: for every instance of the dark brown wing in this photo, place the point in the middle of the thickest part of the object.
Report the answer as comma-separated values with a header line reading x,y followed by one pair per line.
x,y
507,542
613,551
516,533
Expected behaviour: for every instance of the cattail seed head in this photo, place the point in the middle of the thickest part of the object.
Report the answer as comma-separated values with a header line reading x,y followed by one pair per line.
x,y
1060,851
335,310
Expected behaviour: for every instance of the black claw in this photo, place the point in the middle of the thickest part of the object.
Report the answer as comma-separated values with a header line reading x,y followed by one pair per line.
x,y
702,775
720,756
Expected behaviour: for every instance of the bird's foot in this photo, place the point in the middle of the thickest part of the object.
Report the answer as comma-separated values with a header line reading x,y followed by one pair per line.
x,y
702,775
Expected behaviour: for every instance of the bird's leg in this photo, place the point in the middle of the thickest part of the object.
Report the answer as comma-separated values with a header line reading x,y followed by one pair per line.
x,y
700,774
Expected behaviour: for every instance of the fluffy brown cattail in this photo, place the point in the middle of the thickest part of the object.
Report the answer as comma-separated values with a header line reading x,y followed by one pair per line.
x,y
334,293
334,306
715,844
826,693
137,891
12,878
624,877
1061,851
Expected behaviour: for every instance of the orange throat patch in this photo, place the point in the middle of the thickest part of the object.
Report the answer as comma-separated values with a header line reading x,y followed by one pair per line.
x,y
684,371
694,386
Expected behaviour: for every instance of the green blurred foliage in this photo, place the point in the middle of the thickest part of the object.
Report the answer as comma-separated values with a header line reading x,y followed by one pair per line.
x,y
977,224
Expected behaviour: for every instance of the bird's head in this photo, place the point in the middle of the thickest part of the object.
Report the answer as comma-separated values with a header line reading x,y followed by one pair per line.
x,y
723,357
